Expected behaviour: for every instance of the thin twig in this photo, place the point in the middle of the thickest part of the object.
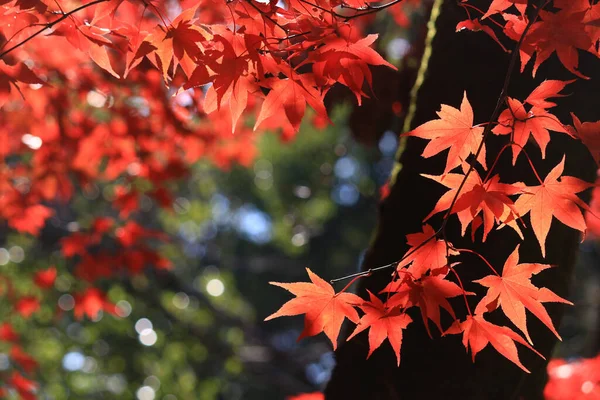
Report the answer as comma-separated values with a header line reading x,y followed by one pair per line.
x,y
368,9
488,128
50,25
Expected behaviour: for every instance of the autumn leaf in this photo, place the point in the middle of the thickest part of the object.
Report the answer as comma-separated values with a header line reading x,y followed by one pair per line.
x,y
478,333
7,333
452,181
45,278
324,309
500,5
522,124
475,25
589,134
553,198
384,322
24,360
426,252
75,244
455,131
90,302
514,292
567,31
307,396
547,89
347,62
90,39
288,97
430,294
178,43
27,305
13,75
25,387
491,199
488,199
32,220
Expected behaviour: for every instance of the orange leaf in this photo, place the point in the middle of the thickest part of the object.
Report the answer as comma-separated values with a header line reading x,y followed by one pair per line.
x,y
384,322
589,134
429,294
45,278
288,97
425,256
513,292
455,131
478,333
553,198
549,88
26,306
324,309
520,124
307,396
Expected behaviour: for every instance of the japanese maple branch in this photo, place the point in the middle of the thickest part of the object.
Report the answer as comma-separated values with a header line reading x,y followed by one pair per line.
x,y
49,25
368,9
268,17
486,132
478,255
495,114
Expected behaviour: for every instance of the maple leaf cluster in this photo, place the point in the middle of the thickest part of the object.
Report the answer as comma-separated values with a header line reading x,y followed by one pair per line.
x,y
426,277
127,95
120,99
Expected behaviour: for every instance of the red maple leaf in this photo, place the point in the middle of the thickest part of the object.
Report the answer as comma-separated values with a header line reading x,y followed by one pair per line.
x,y
26,306
384,322
75,244
501,5
90,39
514,292
288,98
491,199
307,396
521,124
346,61
589,134
475,25
426,252
90,303
478,333
562,32
178,43
553,198
455,131
25,387
7,333
453,182
12,75
24,360
324,309
30,218
547,89
45,278
429,294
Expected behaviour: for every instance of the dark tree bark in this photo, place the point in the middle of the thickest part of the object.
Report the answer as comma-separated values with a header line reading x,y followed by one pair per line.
x,y
440,368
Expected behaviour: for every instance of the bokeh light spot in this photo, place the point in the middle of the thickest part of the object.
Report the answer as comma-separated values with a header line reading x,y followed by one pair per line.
x,y
215,287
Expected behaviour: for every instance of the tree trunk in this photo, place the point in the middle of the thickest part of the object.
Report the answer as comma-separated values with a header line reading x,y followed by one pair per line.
x,y
440,368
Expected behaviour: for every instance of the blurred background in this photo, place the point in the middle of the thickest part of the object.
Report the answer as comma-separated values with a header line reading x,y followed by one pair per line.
x,y
196,331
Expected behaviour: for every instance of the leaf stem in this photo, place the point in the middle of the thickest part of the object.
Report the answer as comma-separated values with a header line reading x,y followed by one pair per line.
x,y
480,256
464,292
